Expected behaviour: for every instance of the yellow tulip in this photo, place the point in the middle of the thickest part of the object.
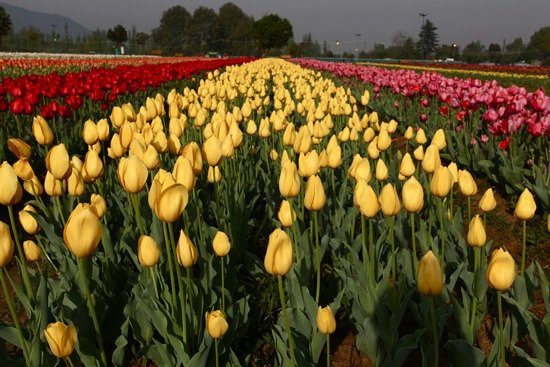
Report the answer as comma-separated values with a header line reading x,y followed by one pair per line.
x,y
214,174
42,131
10,189
90,133
23,169
365,199
132,174
98,205
33,186
431,160
419,153
308,164
326,323
429,276
389,201
221,244
192,152
454,171
117,116
6,245
406,167
31,250
466,183
368,135
314,198
289,180
476,232
412,195
409,133
251,127
501,270
421,137
171,202
384,140
525,207
286,214
212,151
442,182
148,251
302,142
372,149
183,173
18,147
54,187
186,251
61,339
289,136
29,224
174,144
381,170
160,142
439,139
103,129
278,257
487,202
216,325
93,165
58,163
82,231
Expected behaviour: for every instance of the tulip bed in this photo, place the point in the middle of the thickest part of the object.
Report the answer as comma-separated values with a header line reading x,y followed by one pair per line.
x,y
244,217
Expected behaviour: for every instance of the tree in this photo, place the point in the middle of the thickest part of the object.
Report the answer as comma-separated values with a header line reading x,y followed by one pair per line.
x,y
308,47
402,46
235,28
428,39
515,51
539,45
271,31
202,31
118,35
473,52
495,53
5,23
171,34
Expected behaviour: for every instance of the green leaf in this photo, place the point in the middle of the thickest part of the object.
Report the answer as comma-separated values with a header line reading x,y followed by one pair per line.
x,y
9,334
463,354
404,347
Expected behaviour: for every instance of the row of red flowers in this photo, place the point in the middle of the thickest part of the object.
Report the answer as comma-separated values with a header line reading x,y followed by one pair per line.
x,y
26,94
506,110
512,69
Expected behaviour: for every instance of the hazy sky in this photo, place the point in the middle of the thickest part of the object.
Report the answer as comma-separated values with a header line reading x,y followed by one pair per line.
x,y
458,21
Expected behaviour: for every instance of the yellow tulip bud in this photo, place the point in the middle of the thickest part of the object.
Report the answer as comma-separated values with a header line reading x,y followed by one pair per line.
x,y
412,195
10,189
421,137
308,164
23,169
278,257
132,174
372,149
381,170
365,199
61,339
42,131
115,150
273,155
171,202
289,136
6,245
214,174
286,214
103,129
98,205
90,133
186,251
33,186
429,276
75,184
409,133
183,173
454,171
251,127
160,142
148,251
384,140
289,180
525,207
392,126
31,250
82,231
431,160
29,224
221,244
362,170
54,187
18,147
442,182
365,97
216,325
406,167
212,151
58,163
93,165
476,232
439,139
389,201
302,142
192,151
326,323
466,183
315,198
117,116
368,135
334,156
501,270
487,202
419,153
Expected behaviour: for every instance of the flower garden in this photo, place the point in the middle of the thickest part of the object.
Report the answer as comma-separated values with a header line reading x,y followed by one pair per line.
x,y
231,212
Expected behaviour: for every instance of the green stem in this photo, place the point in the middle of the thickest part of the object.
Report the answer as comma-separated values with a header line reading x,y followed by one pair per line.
x,y
328,350
11,306
392,239
413,235
371,251
68,361
477,256
317,257
43,249
135,203
523,248
20,252
154,281
287,322
442,232
190,296
58,204
216,350
182,292
364,242
434,332
223,282
170,266
469,209
500,339
91,307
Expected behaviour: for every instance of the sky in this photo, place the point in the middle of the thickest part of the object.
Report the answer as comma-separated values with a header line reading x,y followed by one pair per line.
x,y
351,23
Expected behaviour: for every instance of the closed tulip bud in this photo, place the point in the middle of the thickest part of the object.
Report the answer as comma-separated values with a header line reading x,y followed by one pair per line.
x,y
406,167
476,232
42,131
419,153
525,207
353,166
174,144
365,199
151,158
90,133
365,97
381,170
212,151
18,147
186,251
221,244
115,149
103,130
409,133
412,195
368,135
286,214
421,137
98,205
454,171
216,325
389,201
334,156
263,130
54,187
431,160
466,183
118,117
487,202
251,127
246,111
439,139
33,186
289,136
183,173
61,339
214,174
171,202
193,152
31,250
132,174
29,224
93,165
302,142
10,189
326,323
6,244
289,180
82,231
308,164
75,184
392,126
314,198
429,276
353,135
373,150
23,169
148,251
58,163
343,135
501,270
384,140
160,142
442,182
278,257
362,170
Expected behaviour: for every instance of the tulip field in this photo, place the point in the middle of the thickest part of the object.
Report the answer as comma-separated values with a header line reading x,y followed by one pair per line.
x,y
253,212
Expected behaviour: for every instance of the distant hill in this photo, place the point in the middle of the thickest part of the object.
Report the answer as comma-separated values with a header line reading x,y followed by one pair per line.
x,y
46,23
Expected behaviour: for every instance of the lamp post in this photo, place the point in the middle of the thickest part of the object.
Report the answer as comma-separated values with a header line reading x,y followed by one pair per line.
x,y
357,35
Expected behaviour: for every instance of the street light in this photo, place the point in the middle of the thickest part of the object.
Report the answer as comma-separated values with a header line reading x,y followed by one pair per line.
x,y
357,48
